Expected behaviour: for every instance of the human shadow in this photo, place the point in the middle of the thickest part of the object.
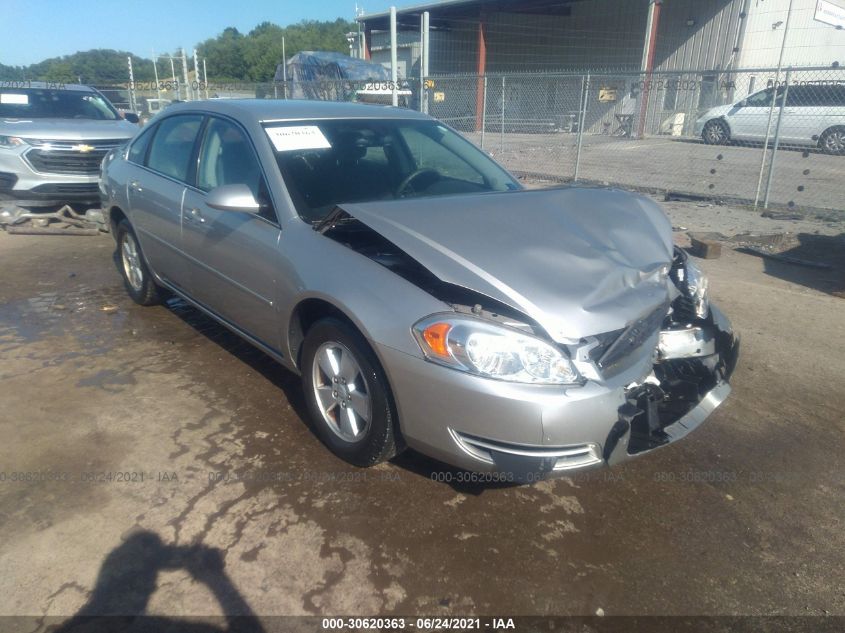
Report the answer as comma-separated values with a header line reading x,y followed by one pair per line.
x,y
818,262
128,578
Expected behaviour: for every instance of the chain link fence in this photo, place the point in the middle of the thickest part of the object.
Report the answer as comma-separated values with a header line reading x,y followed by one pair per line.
x,y
761,137
756,136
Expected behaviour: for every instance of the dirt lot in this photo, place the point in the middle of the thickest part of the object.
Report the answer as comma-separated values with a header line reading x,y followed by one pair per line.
x,y
232,505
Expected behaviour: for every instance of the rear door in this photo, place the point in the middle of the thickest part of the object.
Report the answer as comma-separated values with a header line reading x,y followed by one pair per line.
x,y
803,113
234,255
156,188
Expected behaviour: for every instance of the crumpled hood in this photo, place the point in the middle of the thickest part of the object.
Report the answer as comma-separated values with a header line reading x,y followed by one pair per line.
x,y
579,261
68,129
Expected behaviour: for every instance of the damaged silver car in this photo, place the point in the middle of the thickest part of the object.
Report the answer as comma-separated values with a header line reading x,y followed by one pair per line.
x,y
426,299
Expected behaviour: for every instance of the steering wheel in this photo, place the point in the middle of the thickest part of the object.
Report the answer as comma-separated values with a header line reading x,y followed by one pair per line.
x,y
410,178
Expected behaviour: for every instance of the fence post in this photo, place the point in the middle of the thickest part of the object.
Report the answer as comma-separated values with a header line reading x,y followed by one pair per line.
x,y
502,131
777,138
483,111
585,92
766,142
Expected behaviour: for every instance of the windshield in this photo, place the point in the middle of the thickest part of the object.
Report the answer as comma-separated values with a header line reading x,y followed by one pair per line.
x,y
327,163
33,103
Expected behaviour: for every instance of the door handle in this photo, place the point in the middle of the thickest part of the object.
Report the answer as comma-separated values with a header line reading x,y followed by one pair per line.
x,y
195,214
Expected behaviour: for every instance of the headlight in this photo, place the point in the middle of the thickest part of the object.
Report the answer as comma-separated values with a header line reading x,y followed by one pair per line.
x,y
696,285
11,142
493,351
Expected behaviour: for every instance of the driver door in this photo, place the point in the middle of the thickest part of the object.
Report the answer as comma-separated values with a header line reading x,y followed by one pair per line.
x,y
234,255
749,118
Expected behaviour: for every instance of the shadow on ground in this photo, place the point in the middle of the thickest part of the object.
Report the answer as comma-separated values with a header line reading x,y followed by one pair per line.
x,y
818,251
128,579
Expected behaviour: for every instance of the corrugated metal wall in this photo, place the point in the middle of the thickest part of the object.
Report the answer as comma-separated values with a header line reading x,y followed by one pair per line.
x,y
697,34
606,34
810,42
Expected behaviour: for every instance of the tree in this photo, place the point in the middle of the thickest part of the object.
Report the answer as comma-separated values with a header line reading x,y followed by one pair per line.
x,y
97,66
224,55
230,56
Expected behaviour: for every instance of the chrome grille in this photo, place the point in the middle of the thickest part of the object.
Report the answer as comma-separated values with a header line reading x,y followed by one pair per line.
x,y
69,157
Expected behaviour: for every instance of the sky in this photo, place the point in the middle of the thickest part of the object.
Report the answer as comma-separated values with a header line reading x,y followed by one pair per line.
x,y
34,30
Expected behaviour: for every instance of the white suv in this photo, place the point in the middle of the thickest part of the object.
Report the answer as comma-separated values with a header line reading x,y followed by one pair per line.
x,y
813,115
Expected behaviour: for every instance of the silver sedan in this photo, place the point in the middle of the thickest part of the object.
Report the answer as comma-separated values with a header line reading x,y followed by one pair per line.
x,y
426,299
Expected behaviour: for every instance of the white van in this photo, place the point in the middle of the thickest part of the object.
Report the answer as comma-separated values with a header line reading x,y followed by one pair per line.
x,y
813,116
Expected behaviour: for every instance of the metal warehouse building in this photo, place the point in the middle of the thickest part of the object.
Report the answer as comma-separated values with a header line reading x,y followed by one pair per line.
x,y
506,36
498,37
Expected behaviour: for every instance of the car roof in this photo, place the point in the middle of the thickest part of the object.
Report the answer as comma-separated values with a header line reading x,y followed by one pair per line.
x,y
265,110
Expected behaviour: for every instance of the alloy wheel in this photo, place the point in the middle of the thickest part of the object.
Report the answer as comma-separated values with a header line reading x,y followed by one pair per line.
x,y
132,262
341,391
834,141
715,133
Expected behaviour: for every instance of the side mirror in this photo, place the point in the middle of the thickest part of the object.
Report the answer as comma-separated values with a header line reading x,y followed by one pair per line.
x,y
233,198
742,104
131,117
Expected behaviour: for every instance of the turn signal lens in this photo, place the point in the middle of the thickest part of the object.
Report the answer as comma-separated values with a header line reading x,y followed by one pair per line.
x,y
436,335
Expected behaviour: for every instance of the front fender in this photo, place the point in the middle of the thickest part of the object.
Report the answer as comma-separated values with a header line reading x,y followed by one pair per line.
x,y
382,305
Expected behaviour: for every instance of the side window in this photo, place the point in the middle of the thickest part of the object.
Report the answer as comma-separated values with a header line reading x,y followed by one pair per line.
x,y
428,153
173,144
760,99
802,96
227,158
832,96
138,149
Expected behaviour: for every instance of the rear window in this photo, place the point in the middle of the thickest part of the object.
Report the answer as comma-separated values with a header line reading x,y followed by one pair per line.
x,y
34,103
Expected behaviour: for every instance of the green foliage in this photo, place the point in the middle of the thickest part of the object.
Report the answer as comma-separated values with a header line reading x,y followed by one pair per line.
x,y
97,66
231,56
254,57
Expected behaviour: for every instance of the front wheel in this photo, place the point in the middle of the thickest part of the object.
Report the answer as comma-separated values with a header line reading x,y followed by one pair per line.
x,y
136,274
833,141
347,394
715,133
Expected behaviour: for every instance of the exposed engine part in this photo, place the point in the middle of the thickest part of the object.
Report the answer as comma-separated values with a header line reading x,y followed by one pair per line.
x,y
690,342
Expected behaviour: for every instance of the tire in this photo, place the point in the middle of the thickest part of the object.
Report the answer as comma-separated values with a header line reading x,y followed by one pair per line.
x,y
715,132
832,141
338,416
137,278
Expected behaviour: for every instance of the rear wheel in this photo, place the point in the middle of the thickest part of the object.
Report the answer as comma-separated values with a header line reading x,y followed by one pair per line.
x,y
136,274
832,141
715,132
347,394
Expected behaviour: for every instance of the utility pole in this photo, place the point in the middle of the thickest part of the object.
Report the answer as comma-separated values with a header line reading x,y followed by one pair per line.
x,y
131,85
394,77
424,62
205,77
772,106
197,74
155,72
284,70
173,76
185,75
